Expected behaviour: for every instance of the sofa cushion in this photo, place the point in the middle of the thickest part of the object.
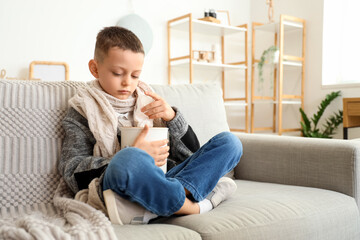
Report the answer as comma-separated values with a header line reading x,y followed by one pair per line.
x,y
274,211
330,164
201,104
154,232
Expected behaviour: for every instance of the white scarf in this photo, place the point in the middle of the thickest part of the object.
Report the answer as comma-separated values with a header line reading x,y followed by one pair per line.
x,y
124,109
105,113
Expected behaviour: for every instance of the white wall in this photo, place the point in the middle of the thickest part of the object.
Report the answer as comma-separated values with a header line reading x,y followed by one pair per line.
x,y
312,12
66,30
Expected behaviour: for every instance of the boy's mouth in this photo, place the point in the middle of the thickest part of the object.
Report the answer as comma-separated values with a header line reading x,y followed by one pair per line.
x,y
123,91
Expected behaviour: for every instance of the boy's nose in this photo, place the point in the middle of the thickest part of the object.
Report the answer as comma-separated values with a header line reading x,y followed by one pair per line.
x,y
126,80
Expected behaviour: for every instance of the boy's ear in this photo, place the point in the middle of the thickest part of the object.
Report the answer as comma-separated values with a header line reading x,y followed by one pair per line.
x,y
93,67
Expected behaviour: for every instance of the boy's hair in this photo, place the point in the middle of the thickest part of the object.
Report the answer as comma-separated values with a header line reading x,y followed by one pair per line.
x,y
116,37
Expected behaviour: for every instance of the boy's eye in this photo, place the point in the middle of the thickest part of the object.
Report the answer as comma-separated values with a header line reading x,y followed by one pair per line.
x,y
117,74
135,77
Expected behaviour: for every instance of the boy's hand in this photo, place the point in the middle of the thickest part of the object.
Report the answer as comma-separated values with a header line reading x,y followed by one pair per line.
x,y
159,108
155,149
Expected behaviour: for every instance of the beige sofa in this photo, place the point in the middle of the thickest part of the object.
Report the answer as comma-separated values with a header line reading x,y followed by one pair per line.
x,y
288,187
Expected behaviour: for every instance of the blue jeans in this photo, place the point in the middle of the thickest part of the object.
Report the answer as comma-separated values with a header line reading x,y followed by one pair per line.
x,y
132,174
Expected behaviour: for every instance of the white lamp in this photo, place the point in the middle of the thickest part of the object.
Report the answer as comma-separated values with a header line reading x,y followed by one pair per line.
x,y
140,27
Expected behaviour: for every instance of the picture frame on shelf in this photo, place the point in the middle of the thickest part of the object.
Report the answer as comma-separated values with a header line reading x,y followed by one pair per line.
x,y
223,16
48,71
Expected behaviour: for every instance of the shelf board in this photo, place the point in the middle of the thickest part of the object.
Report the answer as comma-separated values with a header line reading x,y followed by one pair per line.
x,y
285,63
276,102
207,28
290,102
206,65
235,103
274,27
292,63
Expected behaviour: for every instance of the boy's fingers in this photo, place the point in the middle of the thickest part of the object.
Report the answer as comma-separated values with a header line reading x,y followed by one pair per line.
x,y
153,111
143,133
159,143
153,95
164,150
161,159
150,106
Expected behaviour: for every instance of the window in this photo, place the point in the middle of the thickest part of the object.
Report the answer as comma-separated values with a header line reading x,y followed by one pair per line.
x,y
341,42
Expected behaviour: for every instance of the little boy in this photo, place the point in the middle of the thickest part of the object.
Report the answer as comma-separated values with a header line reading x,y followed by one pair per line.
x,y
129,181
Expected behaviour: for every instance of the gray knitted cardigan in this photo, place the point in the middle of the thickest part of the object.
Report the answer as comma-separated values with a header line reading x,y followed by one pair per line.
x,y
79,167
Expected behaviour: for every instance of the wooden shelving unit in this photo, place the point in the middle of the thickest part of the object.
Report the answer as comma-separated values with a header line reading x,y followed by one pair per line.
x,y
186,23
279,98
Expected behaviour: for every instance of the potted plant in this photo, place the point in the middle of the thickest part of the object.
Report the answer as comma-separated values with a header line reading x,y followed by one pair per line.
x,y
269,56
331,123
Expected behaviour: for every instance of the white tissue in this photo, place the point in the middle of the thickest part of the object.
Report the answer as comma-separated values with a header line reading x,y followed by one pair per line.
x,y
140,118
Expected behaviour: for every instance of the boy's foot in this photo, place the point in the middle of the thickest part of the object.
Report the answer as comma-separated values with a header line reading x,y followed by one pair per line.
x,y
223,189
122,211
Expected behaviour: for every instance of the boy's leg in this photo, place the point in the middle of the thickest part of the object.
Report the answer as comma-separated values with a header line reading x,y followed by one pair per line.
x,y
200,173
133,175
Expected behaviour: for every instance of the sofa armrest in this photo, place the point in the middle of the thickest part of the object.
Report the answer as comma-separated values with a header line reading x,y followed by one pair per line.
x,y
321,163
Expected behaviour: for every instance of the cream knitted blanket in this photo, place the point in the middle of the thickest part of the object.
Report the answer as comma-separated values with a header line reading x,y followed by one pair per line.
x,y
73,220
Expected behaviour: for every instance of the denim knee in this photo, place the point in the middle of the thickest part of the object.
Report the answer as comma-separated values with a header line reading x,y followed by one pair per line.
x,y
231,144
128,162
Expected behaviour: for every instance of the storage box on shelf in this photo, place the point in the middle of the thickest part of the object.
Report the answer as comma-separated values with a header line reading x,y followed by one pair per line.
x,y
187,24
279,98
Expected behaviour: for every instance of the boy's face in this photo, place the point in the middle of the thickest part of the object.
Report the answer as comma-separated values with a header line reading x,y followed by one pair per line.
x,y
119,72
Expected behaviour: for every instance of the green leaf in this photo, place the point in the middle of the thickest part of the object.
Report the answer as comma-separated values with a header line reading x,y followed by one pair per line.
x,y
323,105
331,123
304,130
267,54
305,118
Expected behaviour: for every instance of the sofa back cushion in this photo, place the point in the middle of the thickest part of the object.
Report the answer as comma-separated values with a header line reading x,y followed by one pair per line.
x,y
31,135
201,104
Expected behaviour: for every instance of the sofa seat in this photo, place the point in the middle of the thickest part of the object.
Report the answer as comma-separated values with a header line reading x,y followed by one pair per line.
x,y
154,232
275,211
